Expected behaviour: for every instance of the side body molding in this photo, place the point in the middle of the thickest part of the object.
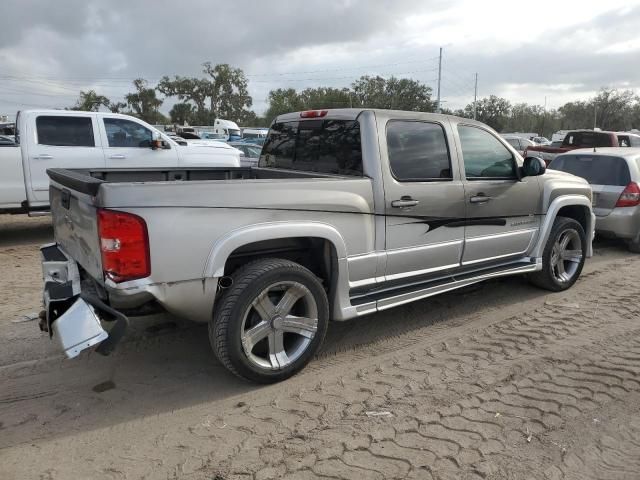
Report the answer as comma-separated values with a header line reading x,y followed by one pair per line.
x,y
552,213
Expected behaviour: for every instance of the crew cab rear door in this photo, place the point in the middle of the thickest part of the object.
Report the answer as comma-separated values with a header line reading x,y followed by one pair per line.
x,y
60,141
501,209
424,200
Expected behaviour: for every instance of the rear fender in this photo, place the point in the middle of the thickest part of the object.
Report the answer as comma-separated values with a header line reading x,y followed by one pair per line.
x,y
226,245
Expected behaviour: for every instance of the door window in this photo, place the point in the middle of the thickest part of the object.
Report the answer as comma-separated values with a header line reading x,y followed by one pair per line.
x,y
63,131
125,133
418,151
484,155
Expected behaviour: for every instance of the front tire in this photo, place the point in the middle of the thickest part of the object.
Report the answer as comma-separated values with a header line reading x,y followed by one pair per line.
x,y
563,256
271,321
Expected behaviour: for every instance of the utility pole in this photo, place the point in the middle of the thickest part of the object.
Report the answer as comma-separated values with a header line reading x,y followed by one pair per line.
x,y
475,97
544,115
439,80
595,116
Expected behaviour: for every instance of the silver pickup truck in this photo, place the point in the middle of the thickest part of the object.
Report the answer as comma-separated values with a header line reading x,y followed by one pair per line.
x,y
349,212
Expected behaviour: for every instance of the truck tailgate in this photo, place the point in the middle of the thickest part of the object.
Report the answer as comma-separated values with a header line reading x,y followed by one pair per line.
x,y
76,228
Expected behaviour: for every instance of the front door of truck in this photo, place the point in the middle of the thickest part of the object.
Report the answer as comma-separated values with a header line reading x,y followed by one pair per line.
x,y
128,145
424,201
501,209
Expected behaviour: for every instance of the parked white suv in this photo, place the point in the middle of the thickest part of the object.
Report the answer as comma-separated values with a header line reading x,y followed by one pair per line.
x,y
89,140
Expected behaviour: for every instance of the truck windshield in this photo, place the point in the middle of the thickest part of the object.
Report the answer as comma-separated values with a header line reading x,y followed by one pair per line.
x,y
595,169
324,146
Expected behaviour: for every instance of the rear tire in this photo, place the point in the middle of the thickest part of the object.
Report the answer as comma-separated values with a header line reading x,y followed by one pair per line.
x,y
563,256
270,322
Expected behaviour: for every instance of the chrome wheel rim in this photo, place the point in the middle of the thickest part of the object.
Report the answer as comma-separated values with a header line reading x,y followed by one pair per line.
x,y
566,256
279,325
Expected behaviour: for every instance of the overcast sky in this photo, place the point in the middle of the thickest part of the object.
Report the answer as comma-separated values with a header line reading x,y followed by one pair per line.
x,y
522,50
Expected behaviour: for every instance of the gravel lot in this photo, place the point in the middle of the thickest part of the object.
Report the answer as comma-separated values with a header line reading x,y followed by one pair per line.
x,y
498,381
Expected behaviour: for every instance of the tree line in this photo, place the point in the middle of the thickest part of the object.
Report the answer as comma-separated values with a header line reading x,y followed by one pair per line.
x,y
222,92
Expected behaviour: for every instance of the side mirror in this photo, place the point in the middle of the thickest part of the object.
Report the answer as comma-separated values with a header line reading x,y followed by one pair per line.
x,y
533,167
156,141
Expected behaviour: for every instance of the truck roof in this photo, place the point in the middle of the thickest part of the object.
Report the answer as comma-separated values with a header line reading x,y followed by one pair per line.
x,y
42,111
352,114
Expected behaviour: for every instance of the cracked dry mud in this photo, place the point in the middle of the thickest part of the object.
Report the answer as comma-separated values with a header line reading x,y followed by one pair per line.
x,y
498,382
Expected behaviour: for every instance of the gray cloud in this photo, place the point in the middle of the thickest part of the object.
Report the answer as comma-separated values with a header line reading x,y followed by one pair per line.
x,y
49,51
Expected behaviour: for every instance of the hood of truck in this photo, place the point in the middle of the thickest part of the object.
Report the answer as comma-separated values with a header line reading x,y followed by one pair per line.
x,y
209,153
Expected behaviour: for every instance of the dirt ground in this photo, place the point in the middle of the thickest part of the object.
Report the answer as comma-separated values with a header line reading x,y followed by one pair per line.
x,y
498,381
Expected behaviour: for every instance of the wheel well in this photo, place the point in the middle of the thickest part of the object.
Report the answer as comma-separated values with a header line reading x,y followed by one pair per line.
x,y
317,254
578,212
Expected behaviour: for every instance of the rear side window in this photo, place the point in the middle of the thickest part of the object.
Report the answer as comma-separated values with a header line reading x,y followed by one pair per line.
x,y
417,151
323,146
65,131
595,169
587,139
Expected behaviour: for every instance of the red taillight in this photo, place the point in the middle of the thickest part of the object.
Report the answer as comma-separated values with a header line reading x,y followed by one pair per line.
x,y
630,197
124,244
313,113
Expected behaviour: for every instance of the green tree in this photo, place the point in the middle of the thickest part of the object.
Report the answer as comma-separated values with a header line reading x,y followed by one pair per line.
x,y
144,103
223,94
492,110
116,107
282,101
90,101
182,113
392,93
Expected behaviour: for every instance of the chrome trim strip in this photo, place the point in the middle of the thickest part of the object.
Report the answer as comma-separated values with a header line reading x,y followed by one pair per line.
x,y
428,292
413,273
424,247
499,235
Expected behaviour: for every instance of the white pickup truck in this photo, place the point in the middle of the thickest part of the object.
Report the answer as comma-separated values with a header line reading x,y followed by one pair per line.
x,y
89,140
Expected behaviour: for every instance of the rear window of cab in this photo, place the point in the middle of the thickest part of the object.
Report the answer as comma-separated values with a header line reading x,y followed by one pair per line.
x,y
323,146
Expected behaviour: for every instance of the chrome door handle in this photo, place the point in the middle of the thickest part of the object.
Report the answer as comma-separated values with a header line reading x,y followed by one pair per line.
x,y
481,198
43,156
118,156
404,202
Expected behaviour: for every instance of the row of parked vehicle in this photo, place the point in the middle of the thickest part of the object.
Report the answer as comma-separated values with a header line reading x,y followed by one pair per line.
x,y
348,212
610,162
46,139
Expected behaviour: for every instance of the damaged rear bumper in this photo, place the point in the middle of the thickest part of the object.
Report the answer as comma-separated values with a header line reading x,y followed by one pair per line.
x,y
72,316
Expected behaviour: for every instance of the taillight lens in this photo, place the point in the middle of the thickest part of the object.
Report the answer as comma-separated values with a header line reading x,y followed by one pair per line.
x,y
630,197
124,244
